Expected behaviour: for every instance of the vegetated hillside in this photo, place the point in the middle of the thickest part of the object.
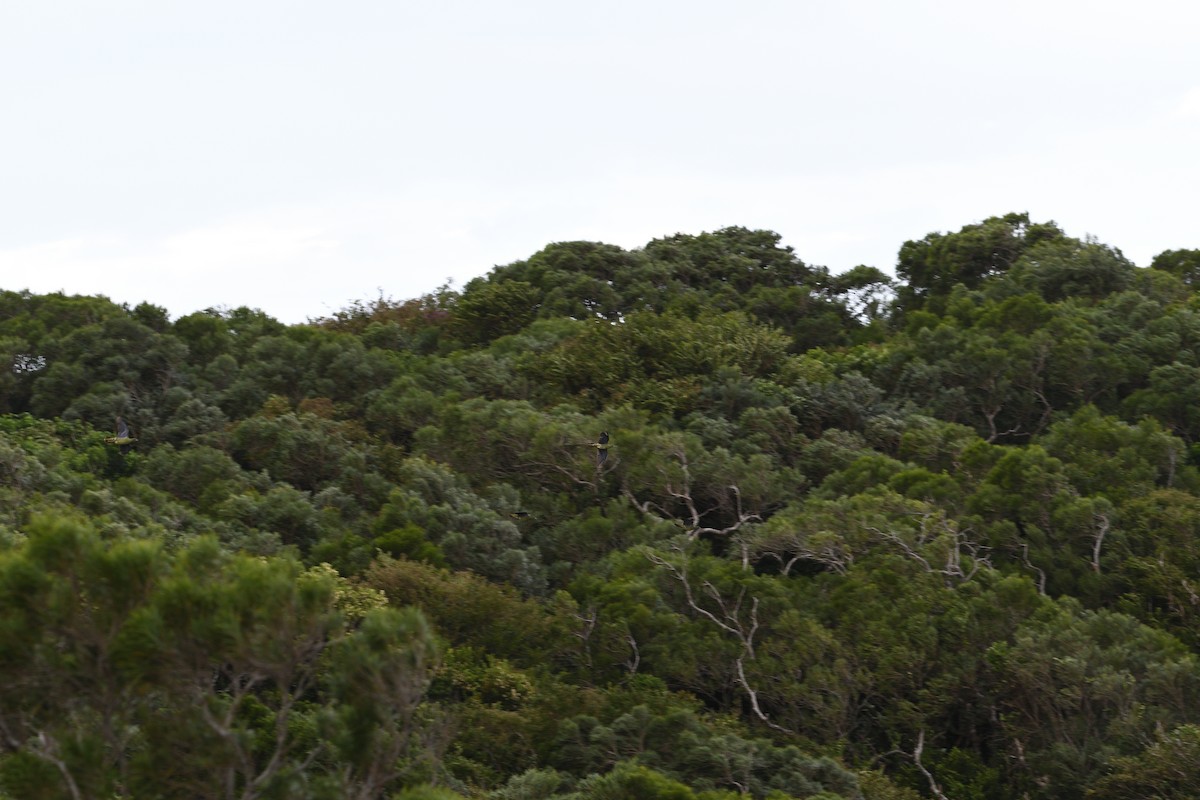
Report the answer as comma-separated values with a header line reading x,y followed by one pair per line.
x,y
848,537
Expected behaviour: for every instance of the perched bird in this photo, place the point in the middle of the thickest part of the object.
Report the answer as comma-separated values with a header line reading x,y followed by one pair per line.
x,y
601,446
122,439
518,514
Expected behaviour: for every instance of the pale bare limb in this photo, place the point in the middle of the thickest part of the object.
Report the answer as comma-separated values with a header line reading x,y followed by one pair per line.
x,y
679,488
916,757
1041,573
1102,526
635,657
731,621
46,748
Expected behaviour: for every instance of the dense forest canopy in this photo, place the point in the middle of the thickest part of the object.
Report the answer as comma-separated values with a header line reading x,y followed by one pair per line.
x,y
848,536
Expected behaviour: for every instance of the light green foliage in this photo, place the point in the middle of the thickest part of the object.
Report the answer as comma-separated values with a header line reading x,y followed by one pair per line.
x,y
1168,769
876,786
126,670
427,793
471,674
379,675
354,600
631,781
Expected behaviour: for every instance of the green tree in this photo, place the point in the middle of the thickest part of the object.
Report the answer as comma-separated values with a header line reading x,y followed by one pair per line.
x,y
1183,264
1081,688
128,671
1168,769
468,529
934,265
1063,268
490,310
72,693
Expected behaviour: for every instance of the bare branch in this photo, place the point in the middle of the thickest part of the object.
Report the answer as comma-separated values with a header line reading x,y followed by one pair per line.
x,y
543,467
731,622
46,748
584,634
1102,525
1041,573
935,530
916,757
635,657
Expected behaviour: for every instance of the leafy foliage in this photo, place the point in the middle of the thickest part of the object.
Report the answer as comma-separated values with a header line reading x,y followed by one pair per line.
x,y
851,537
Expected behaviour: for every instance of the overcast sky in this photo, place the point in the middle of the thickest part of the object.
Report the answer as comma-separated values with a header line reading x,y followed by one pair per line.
x,y
295,156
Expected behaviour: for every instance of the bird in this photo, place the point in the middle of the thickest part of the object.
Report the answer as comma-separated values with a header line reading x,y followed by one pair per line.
x,y
601,445
518,514
123,440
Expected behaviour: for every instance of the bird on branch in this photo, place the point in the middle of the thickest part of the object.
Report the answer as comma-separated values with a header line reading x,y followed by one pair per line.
x,y
601,445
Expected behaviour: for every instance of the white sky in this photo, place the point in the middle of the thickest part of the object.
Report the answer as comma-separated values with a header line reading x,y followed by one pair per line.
x,y
294,156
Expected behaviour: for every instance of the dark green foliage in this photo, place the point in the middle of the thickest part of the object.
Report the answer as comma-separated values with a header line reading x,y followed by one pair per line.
x,y
1168,769
853,537
489,310
678,744
1083,687
932,266
1183,264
